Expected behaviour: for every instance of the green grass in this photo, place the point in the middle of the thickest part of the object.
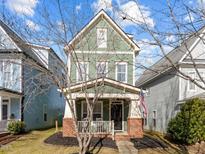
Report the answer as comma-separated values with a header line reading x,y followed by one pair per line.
x,y
32,143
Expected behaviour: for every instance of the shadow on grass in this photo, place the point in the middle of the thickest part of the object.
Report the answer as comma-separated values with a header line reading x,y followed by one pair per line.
x,y
58,139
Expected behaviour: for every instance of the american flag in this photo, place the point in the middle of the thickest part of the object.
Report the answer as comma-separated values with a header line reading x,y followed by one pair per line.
x,y
142,103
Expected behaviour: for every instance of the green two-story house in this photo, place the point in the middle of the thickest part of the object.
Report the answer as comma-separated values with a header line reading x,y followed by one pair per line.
x,y
103,53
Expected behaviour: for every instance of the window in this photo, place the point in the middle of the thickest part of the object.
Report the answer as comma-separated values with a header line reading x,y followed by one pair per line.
x,y
121,72
7,75
191,85
82,71
148,92
97,111
102,38
101,69
45,112
154,119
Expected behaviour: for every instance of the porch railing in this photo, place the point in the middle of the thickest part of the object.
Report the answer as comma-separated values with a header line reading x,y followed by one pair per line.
x,y
96,127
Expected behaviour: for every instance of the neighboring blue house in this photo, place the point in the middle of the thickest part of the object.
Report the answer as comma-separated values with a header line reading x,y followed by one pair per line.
x,y
26,93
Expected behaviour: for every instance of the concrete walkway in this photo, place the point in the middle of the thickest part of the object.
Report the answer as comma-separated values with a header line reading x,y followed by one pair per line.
x,y
126,147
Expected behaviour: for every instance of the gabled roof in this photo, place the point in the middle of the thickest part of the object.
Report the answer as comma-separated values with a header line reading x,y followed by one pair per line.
x,y
105,81
163,65
103,14
24,46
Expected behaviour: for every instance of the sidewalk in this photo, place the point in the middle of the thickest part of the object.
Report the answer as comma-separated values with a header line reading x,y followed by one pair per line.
x,y
126,147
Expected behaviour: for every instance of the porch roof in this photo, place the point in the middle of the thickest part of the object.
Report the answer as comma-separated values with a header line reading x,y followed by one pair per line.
x,y
103,81
9,91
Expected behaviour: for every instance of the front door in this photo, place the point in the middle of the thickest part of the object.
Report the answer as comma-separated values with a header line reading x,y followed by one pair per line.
x,y
116,115
4,111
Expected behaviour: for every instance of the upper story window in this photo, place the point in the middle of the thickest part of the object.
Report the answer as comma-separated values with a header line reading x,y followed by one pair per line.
x,y
101,69
101,37
6,69
121,71
191,85
82,71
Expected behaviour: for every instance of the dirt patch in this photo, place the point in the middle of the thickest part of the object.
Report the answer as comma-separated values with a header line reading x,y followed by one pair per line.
x,y
58,139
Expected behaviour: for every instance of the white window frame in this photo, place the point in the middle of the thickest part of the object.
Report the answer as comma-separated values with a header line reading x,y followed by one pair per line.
x,y
154,117
189,82
101,44
106,69
82,107
78,69
7,83
117,72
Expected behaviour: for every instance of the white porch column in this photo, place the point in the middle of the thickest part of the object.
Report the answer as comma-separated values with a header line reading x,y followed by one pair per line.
x,y
134,110
68,112
0,107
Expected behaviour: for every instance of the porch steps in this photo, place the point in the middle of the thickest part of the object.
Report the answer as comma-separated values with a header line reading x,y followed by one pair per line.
x,y
122,136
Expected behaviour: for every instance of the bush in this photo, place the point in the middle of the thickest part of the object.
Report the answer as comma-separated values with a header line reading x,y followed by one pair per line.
x,y
16,127
189,124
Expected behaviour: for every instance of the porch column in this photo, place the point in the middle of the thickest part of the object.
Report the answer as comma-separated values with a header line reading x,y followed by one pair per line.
x,y
0,107
135,120
68,121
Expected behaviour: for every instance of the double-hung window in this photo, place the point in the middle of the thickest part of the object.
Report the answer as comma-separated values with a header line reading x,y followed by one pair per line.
x,y
121,71
191,85
7,73
97,111
82,71
154,119
101,37
102,69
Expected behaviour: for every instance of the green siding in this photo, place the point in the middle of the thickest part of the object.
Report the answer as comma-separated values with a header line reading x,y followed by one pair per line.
x,y
15,108
114,41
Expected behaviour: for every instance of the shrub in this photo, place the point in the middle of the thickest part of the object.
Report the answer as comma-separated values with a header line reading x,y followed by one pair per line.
x,y
189,124
16,127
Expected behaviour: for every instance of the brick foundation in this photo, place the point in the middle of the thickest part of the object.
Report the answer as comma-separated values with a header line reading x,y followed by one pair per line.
x,y
134,127
68,127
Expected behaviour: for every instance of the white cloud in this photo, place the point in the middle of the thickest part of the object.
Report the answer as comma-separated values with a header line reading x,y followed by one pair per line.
x,y
170,38
189,18
22,7
135,13
102,4
130,9
78,8
32,25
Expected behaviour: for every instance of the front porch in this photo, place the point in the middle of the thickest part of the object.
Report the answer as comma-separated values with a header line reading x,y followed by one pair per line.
x,y
10,108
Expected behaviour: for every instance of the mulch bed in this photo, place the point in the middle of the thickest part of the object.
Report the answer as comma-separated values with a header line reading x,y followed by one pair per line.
x,y
58,139
148,142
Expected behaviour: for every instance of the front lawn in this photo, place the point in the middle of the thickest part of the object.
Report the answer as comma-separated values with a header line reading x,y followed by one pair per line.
x,y
33,143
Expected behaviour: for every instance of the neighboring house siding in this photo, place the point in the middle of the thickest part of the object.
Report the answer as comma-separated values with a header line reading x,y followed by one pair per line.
x,y
184,84
15,107
162,99
34,110
15,73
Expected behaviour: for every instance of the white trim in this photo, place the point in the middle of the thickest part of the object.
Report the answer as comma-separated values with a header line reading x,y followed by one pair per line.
x,y
103,14
116,63
192,46
78,69
104,52
102,45
84,102
106,67
180,81
121,102
188,84
8,107
10,37
133,69
126,86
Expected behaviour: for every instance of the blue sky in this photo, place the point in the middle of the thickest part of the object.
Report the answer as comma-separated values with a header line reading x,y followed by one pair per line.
x,y
78,12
